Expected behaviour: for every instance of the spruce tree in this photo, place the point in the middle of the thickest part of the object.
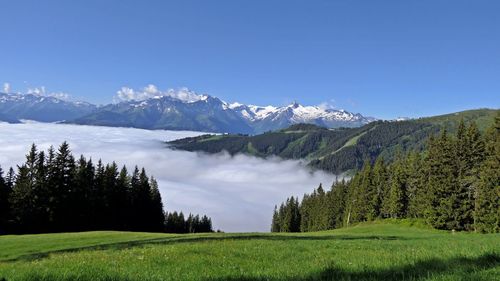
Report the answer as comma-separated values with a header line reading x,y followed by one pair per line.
x,y
398,200
5,192
22,202
338,197
156,216
487,204
446,193
275,225
378,187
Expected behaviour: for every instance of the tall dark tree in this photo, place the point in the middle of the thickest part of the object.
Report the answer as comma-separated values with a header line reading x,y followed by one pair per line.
x,y
487,204
379,185
54,193
275,225
337,198
416,186
398,200
157,216
5,191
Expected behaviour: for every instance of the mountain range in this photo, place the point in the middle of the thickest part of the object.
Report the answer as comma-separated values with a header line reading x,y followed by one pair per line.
x,y
14,107
198,113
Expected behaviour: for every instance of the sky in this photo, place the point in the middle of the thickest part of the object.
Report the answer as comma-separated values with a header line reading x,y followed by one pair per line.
x,y
385,59
239,193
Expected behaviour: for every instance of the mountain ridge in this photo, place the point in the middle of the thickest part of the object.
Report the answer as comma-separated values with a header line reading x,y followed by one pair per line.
x,y
172,111
42,108
338,150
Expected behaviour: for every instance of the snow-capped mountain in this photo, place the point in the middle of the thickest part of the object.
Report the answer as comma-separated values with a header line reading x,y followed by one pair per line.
x,y
183,110
207,114
210,114
265,118
41,108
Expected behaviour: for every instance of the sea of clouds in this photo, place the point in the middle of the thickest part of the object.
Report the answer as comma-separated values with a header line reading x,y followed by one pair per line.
x,y
239,192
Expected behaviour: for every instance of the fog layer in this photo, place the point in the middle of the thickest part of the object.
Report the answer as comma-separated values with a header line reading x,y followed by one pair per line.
x,y
239,192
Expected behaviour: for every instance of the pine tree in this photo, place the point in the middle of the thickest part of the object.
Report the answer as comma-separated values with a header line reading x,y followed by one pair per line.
x,y
379,184
85,187
63,186
22,202
398,200
275,225
123,186
338,197
362,193
445,199
415,183
487,204
5,192
156,216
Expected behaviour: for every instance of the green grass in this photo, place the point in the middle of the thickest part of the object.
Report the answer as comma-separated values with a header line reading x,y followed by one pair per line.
x,y
397,250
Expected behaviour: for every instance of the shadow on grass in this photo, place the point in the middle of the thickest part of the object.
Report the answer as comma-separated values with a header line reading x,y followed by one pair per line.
x,y
461,267
189,239
458,268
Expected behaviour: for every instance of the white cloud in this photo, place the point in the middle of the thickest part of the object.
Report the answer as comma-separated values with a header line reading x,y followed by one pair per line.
x,y
41,91
239,193
328,105
151,91
6,87
36,91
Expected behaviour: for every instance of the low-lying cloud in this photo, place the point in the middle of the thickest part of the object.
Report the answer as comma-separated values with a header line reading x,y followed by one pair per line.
x,y
239,192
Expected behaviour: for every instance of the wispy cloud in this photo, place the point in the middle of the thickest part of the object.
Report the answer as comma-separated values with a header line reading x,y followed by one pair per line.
x,y
331,104
239,192
6,87
151,91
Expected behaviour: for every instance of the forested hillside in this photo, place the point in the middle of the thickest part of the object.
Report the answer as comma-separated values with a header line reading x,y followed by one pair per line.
x,y
453,184
338,150
53,192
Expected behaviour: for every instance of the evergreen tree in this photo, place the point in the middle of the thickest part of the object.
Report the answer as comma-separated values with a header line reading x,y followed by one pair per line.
x,y
156,216
487,204
337,198
5,192
398,200
275,225
361,194
54,193
416,187
84,191
22,202
445,211
379,185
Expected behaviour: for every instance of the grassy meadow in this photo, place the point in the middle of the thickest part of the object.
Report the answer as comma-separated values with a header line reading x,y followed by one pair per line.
x,y
374,251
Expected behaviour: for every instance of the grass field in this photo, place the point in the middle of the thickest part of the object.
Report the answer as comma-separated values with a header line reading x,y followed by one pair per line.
x,y
377,251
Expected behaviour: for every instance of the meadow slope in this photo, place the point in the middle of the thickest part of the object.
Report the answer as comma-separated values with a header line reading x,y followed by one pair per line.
x,y
376,251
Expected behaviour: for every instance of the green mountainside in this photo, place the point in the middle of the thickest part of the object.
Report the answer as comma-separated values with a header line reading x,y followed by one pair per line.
x,y
337,150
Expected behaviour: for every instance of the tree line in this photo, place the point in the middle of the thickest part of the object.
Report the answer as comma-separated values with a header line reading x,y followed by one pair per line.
x,y
53,192
454,184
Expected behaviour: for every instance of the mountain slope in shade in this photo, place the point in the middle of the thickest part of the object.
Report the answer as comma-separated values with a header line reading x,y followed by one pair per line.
x,y
42,108
8,119
210,114
207,114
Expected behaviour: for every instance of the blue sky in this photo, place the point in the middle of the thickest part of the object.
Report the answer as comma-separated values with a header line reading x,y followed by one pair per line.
x,y
379,58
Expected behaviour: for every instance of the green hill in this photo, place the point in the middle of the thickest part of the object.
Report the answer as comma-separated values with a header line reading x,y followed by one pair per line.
x,y
376,251
337,150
